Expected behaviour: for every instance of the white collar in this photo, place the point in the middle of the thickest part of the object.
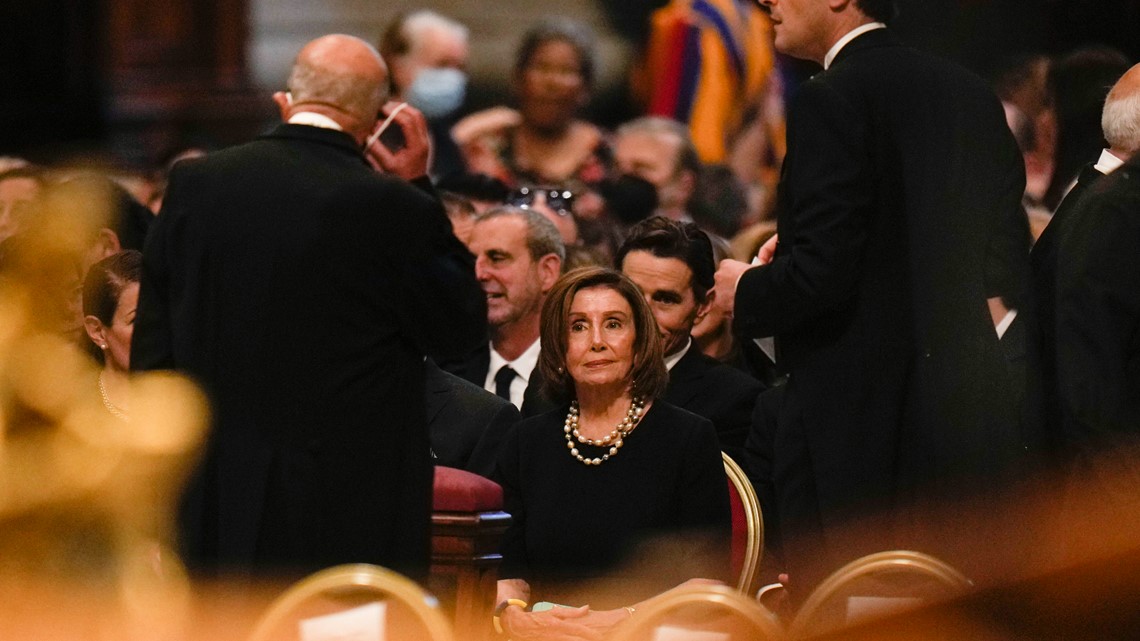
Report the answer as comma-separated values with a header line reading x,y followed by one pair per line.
x,y
851,35
670,361
523,365
314,119
1107,163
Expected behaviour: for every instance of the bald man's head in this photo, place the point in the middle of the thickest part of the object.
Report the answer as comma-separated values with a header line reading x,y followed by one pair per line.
x,y
1121,117
342,77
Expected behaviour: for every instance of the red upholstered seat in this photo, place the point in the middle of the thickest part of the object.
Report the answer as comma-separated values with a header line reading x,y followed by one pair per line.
x,y
739,528
461,491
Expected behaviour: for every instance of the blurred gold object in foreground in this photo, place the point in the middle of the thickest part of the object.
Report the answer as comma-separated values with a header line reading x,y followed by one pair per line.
x,y
87,500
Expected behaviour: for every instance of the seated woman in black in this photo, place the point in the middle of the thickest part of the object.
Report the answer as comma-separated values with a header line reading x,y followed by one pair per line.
x,y
609,469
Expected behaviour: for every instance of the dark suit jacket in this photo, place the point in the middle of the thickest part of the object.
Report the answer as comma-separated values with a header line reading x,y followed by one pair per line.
x,y
473,368
1098,315
722,394
302,290
899,215
1044,397
467,423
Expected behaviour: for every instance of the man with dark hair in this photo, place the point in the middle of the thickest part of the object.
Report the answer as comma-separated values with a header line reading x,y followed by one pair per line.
x,y
672,263
303,289
900,232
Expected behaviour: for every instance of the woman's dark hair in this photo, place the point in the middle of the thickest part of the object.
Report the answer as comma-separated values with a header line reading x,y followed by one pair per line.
x,y
648,374
561,29
106,281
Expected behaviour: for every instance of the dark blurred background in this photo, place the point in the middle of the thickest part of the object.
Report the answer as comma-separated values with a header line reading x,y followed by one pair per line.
x,y
130,82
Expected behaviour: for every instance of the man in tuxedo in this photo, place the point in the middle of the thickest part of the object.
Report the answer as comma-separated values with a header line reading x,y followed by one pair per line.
x,y
672,263
302,289
466,422
1120,123
900,234
518,256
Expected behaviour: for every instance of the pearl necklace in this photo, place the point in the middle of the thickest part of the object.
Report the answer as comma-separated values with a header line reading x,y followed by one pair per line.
x,y
115,410
614,440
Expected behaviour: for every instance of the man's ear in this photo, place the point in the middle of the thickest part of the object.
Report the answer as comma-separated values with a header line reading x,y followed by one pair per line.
x,y
95,331
106,244
549,269
686,184
284,100
704,308
839,5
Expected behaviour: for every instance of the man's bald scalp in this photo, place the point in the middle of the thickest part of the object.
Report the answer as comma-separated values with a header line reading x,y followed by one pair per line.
x,y
341,71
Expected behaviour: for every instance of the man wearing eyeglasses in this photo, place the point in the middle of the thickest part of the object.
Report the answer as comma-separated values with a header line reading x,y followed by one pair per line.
x,y
900,229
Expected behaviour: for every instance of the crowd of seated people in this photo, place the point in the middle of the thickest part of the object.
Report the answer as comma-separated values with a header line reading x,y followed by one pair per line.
x,y
596,251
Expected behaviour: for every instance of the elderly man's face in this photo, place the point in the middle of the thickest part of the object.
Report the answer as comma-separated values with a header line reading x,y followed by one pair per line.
x,y
654,157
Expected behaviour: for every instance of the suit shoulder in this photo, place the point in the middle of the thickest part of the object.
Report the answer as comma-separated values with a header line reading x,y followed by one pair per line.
x,y
726,376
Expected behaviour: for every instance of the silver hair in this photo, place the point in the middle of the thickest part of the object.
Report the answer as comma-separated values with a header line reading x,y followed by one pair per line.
x,y
419,22
1120,122
542,236
687,157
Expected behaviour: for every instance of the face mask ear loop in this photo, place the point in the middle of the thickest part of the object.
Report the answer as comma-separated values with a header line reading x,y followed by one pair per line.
x,y
387,121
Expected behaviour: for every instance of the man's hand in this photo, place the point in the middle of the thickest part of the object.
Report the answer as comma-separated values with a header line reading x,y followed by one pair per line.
x,y
767,250
558,624
727,275
413,160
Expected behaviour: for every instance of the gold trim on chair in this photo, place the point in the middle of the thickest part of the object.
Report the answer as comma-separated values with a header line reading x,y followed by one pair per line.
x,y
754,549
918,564
361,575
653,613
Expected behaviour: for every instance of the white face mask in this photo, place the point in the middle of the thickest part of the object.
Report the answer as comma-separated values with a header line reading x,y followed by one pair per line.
x,y
437,91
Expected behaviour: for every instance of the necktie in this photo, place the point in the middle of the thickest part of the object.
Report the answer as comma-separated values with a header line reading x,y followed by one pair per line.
x,y
503,379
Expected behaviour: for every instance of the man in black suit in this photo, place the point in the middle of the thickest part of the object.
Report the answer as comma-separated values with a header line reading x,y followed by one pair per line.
x,y
672,263
466,422
518,256
302,289
1121,127
900,232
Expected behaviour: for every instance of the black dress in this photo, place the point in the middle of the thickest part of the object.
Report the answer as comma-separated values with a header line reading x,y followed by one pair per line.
x,y
574,523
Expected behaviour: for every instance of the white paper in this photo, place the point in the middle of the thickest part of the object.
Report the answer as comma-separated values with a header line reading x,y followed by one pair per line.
x,y
365,623
869,607
671,633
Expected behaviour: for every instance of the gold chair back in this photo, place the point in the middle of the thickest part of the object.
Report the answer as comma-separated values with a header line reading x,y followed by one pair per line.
x,y
346,586
747,508
876,585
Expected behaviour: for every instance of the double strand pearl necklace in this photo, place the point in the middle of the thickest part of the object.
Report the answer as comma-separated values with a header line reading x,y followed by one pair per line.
x,y
115,410
614,440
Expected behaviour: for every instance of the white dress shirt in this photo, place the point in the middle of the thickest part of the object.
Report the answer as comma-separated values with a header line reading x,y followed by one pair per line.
x,y
523,366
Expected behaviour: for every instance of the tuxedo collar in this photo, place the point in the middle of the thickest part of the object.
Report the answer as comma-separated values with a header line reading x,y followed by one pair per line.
x,y
868,40
319,135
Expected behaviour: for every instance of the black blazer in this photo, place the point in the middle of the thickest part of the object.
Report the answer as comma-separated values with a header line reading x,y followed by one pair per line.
x,y
473,368
899,215
302,289
1043,397
467,423
1098,315
723,394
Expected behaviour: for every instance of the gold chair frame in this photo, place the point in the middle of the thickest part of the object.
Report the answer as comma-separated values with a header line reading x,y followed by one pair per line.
x,y
917,562
359,575
754,549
